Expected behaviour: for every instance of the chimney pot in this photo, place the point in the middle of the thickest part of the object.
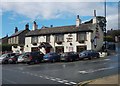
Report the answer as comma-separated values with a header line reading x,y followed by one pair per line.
x,y
34,25
51,25
94,13
16,29
27,26
77,16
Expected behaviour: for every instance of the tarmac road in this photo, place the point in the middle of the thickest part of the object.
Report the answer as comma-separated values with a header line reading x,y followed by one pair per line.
x,y
60,73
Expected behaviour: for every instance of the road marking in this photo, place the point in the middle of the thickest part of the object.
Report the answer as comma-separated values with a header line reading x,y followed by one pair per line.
x,y
67,83
73,83
12,82
53,79
65,80
106,59
91,71
41,76
60,81
47,77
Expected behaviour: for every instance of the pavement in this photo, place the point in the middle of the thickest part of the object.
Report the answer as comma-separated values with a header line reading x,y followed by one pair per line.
x,y
113,80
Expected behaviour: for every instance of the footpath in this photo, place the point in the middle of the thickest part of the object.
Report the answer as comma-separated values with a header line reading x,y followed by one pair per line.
x,y
112,80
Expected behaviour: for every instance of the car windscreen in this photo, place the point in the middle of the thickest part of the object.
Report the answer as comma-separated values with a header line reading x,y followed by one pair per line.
x,y
21,56
4,55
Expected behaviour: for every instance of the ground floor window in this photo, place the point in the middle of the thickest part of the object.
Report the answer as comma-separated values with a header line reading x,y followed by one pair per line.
x,y
81,48
59,49
34,49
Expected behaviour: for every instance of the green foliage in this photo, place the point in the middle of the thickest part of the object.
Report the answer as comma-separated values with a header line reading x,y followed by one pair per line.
x,y
6,47
109,39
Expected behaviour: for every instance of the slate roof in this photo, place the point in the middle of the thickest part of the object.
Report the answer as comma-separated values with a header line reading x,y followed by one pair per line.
x,y
17,33
61,29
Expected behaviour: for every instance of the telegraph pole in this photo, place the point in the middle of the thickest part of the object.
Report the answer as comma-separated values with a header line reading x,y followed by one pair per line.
x,y
105,24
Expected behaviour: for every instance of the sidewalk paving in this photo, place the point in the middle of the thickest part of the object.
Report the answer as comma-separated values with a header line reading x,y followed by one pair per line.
x,y
113,80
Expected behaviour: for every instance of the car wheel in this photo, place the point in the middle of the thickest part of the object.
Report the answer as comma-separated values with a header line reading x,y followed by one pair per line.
x,y
5,62
53,60
71,59
90,57
98,56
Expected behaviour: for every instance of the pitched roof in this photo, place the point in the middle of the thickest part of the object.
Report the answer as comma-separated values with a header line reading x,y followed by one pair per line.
x,y
61,29
16,34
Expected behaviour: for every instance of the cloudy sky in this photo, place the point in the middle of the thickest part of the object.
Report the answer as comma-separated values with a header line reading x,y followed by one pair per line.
x,y
53,13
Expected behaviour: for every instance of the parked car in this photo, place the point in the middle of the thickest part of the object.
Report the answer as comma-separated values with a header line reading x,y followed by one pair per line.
x,y
22,58
13,59
89,54
51,57
5,57
34,57
69,56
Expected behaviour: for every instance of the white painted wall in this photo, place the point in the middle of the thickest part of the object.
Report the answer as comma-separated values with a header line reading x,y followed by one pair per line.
x,y
16,50
90,35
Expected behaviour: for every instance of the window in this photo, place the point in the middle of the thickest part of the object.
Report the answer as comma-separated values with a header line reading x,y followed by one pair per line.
x,y
59,38
34,40
81,37
48,38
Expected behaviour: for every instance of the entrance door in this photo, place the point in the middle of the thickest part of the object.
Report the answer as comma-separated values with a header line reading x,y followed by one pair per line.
x,y
81,48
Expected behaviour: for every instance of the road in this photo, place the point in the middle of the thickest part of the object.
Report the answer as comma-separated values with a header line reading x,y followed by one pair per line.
x,y
60,73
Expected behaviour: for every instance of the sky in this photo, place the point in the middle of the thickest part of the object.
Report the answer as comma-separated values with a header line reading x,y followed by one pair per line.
x,y
17,14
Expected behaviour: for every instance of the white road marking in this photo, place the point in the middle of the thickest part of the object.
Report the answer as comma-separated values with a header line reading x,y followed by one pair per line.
x,y
41,76
73,83
91,71
60,81
47,77
53,79
65,80
106,59
67,83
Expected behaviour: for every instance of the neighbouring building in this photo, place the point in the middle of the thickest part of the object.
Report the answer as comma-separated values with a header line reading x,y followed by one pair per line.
x,y
4,40
18,39
79,37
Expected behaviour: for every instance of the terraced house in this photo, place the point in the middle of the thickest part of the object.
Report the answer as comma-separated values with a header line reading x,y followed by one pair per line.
x,y
79,37
17,40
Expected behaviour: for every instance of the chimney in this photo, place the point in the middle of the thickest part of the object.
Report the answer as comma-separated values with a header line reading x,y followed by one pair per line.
x,y
34,25
51,25
78,21
94,13
27,26
95,18
16,29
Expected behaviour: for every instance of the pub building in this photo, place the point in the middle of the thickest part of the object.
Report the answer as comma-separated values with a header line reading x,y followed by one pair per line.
x,y
79,37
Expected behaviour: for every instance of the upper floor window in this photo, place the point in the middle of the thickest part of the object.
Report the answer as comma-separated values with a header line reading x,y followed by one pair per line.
x,y
48,38
59,38
34,39
81,37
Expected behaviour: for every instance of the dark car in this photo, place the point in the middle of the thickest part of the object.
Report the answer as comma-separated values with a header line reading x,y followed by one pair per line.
x,y
34,57
89,54
51,57
69,56
13,59
5,57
